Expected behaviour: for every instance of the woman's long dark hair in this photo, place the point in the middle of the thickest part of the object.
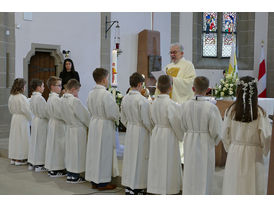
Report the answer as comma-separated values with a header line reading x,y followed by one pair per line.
x,y
238,111
64,65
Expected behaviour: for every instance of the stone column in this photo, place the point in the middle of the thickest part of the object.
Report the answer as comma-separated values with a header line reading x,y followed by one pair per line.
x,y
7,68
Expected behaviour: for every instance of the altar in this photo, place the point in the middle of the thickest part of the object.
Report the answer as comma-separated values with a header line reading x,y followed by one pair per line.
x,y
220,154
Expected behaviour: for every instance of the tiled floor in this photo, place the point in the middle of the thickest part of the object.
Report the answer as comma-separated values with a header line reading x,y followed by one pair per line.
x,y
17,180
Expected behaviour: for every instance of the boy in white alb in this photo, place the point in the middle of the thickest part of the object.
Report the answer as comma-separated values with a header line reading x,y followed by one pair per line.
x,y
39,126
201,123
101,137
135,116
55,149
164,165
77,120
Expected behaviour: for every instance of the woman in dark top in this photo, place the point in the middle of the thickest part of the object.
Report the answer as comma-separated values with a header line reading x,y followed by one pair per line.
x,y
68,72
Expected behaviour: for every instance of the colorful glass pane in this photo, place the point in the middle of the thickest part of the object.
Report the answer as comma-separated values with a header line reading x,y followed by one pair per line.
x,y
209,45
229,22
210,22
227,44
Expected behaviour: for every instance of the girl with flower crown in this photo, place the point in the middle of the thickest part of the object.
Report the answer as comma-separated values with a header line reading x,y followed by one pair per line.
x,y
246,137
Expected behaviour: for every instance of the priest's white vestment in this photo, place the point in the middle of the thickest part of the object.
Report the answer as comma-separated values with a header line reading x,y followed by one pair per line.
x,y
135,116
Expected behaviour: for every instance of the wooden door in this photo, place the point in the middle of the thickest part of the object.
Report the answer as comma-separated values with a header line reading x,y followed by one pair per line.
x,y
41,67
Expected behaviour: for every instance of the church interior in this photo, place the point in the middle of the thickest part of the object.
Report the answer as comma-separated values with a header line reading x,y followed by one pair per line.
x,y
35,45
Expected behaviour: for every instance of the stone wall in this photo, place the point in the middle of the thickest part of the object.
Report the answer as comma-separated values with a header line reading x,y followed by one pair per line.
x,y
7,68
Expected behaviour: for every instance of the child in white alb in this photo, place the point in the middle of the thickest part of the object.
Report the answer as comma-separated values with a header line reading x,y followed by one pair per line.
x,y
77,120
39,126
19,128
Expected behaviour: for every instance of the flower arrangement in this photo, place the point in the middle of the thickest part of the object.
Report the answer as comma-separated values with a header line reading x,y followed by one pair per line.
x,y
116,95
227,87
118,98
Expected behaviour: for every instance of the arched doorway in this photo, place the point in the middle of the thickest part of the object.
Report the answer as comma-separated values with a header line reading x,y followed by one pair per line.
x,y
41,67
42,61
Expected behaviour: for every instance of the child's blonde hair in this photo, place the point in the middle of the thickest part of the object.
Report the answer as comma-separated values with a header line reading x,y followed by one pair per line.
x,y
52,81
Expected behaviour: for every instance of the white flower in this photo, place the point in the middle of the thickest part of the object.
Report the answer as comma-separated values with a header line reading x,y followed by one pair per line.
x,y
229,76
226,85
220,87
230,92
231,85
222,81
224,89
222,94
216,92
230,89
119,95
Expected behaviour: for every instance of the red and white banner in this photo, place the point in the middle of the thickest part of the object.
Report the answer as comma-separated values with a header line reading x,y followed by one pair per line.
x,y
262,76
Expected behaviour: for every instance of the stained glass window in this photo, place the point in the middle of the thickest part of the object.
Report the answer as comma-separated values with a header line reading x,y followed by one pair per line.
x,y
210,22
210,45
209,36
229,24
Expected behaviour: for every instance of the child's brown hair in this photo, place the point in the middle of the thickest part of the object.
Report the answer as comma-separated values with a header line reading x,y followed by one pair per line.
x,y
99,74
34,83
241,108
18,86
164,83
201,84
135,79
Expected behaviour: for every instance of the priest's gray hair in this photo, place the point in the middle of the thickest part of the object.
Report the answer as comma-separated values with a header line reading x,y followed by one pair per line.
x,y
179,45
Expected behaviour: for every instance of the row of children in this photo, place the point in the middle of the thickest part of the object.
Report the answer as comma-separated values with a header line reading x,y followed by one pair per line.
x,y
151,158
59,129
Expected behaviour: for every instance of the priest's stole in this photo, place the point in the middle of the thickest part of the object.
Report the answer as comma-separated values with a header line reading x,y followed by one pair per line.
x,y
173,71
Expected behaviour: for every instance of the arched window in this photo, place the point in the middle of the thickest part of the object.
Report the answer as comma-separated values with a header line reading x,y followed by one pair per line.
x,y
229,32
211,34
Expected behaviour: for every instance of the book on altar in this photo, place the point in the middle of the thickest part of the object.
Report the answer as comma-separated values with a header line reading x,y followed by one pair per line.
x,y
157,74
173,71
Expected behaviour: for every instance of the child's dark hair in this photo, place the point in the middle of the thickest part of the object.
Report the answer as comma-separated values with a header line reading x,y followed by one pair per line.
x,y
34,83
73,83
52,81
99,74
201,84
135,79
18,86
164,83
241,113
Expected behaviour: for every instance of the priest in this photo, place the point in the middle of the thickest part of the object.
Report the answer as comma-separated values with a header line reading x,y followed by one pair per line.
x,y
183,74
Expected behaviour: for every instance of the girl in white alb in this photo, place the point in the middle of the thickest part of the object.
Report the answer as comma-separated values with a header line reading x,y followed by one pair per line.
x,y
19,129
246,138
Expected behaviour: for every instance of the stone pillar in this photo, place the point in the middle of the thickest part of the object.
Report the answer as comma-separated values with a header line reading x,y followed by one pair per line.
x,y
175,27
7,69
